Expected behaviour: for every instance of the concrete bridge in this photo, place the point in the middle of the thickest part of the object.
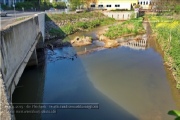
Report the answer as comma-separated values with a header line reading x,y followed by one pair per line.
x,y
17,50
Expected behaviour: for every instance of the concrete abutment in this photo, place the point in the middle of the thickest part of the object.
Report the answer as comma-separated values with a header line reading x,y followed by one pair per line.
x,y
17,49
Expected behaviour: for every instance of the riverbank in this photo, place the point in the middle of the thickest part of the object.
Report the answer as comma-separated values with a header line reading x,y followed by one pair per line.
x,y
167,32
61,25
128,28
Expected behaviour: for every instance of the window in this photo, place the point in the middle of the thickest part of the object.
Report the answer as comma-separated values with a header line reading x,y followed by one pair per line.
x,y
92,5
138,3
146,2
141,3
117,5
100,5
108,5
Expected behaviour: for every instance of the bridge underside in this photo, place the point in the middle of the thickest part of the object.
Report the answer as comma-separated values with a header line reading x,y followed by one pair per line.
x,y
29,60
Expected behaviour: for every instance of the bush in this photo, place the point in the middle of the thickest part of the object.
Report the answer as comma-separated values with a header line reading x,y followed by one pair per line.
x,y
82,25
177,9
25,5
133,26
57,32
168,34
70,28
5,7
59,5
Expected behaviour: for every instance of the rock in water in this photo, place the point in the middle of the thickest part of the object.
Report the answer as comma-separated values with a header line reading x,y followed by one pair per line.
x,y
81,41
111,43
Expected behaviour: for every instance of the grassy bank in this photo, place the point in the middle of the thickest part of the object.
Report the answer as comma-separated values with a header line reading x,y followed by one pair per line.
x,y
168,36
77,22
129,27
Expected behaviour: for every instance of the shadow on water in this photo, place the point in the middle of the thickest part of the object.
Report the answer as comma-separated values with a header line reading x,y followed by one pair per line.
x,y
30,90
65,81
127,82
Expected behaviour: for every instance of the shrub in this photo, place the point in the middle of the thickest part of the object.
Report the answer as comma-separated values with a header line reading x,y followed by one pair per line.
x,y
57,32
133,26
25,5
168,34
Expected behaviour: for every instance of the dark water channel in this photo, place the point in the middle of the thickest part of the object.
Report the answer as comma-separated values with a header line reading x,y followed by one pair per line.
x,y
128,83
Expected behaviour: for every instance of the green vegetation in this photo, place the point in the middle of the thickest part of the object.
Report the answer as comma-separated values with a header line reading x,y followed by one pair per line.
x,y
48,5
168,36
73,17
5,7
129,27
36,4
26,5
22,18
175,113
80,3
121,10
84,21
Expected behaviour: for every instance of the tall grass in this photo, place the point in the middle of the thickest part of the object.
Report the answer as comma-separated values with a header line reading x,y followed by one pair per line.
x,y
78,26
133,26
168,35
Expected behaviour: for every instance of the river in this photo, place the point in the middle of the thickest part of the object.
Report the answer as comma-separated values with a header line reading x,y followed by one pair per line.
x,y
127,83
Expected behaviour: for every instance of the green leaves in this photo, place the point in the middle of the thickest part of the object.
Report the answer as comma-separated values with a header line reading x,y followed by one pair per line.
x,y
168,34
133,26
78,22
175,113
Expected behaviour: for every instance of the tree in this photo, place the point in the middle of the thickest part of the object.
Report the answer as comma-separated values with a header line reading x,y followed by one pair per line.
x,y
88,2
164,4
83,3
74,4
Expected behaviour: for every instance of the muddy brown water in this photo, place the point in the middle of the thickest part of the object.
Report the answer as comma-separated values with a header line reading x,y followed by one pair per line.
x,y
127,83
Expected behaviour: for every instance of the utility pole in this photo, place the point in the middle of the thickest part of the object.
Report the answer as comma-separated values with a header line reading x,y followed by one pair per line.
x,y
14,9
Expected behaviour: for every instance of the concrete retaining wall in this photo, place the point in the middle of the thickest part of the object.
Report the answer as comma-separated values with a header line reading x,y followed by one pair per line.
x,y
119,15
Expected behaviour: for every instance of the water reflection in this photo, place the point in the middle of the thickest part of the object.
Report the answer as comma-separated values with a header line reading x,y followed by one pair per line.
x,y
30,89
128,84
136,44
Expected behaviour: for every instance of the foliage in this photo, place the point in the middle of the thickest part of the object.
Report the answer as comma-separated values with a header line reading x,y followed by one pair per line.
x,y
75,4
48,5
56,32
31,5
175,113
167,5
5,7
70,28
137,6
177,8
26,5
133,26
120,10
80,3
168,34
133,15
74,17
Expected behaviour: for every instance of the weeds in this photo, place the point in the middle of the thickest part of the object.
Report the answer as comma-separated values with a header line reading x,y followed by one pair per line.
x,y
168,34
133,26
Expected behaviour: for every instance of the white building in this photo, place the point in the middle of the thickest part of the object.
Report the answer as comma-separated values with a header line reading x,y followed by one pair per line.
x,y
145,4
113,4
